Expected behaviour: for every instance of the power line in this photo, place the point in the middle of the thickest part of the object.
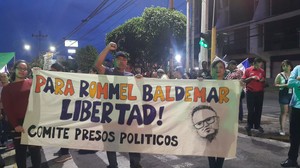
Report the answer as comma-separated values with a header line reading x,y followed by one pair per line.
x,y
117,20
83,22
119,9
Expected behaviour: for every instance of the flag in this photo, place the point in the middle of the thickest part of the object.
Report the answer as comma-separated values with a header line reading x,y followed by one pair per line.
x,y
218,58
243,65
4,69
5,58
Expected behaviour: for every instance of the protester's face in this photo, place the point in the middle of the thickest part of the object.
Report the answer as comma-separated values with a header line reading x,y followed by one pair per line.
x,y
260,64
206,122
286,67
3,78
177,75
121,62
21,70
232,67
159,74
155,75
218,71
128,68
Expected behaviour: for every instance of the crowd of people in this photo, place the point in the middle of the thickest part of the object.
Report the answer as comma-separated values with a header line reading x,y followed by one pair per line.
x,y
16,89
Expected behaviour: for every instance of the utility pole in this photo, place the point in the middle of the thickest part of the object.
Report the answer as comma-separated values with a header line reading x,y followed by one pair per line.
x,y
213,35
187,54
203,55
171,51
192,52
39,36
171,4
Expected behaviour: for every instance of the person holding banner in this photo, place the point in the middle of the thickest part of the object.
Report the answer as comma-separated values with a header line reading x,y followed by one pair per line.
x,y
15,101
218,73
255,78
120,64
63,153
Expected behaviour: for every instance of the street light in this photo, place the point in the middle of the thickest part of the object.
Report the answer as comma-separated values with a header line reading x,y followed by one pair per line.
x,y
27,47
52,48
178,58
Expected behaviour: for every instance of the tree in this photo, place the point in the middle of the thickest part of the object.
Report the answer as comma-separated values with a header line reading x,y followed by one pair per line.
x,y
86,57
149,38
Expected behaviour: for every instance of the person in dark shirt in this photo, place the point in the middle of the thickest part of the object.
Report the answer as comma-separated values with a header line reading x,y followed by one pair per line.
x,y
204,72
120,64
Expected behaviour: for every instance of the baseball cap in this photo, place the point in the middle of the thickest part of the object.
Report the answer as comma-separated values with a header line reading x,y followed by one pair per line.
x,y
121,54
160,71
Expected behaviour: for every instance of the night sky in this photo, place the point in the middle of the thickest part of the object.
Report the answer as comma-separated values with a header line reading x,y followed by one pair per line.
x,y
24,21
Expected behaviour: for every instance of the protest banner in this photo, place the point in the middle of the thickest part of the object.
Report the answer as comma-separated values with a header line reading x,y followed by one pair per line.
x,y
126,114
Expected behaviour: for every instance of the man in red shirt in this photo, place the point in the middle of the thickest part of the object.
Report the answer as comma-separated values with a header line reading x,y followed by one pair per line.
x,y
254,77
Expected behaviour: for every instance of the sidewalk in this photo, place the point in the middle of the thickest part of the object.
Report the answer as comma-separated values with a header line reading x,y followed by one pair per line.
x,y
269,119
271,131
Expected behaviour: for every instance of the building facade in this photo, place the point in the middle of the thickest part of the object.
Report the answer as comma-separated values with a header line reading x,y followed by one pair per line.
x,y
269,29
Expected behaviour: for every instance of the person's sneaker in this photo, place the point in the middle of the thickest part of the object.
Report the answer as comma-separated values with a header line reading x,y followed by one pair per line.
x,y
282,133
289,163
111,166
58,153
63,158
260,130
136,166
248,129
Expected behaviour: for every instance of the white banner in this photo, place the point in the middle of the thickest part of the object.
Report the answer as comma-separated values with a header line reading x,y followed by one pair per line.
x,y
126,114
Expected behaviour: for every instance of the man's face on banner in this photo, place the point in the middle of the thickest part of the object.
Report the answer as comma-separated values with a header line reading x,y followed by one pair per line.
x,y
207,123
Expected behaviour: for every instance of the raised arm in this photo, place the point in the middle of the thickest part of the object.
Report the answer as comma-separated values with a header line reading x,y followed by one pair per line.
x,y
110,47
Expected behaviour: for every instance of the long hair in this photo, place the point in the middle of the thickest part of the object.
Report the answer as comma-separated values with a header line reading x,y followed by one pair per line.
x,y
13,75
286,62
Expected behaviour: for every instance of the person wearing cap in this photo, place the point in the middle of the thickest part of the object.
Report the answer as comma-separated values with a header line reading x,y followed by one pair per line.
x,y
120,64
254,77
235,73
161,74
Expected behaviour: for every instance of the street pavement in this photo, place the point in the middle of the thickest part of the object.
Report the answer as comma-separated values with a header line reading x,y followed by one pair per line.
x,y
265,150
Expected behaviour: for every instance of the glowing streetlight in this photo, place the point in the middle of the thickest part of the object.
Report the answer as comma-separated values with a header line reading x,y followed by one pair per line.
x,y
178,58
27,47
52,48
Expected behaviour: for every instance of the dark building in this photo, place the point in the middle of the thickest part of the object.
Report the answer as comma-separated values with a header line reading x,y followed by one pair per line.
x,y
249,28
